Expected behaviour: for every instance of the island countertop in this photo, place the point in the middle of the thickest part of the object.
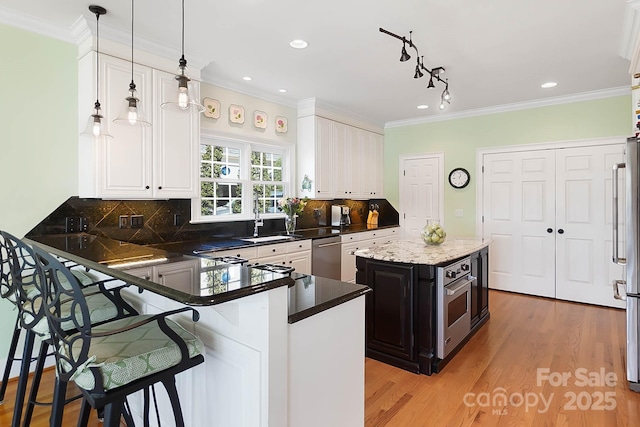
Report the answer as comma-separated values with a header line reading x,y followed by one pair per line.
x,y
415,251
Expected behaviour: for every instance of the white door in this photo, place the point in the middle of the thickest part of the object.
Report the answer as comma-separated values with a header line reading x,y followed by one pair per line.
x,y
584,241
519,211
548,214
420,193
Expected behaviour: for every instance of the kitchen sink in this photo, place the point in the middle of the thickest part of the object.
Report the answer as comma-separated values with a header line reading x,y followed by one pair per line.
x,y
266,239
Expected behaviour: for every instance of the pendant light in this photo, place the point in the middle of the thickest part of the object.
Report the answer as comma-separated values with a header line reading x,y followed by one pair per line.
x,y
182,99
95,126
131,112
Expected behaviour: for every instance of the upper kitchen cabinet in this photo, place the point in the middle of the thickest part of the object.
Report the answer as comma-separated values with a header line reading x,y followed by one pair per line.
x,y
372,165
157,162
342,161
315,154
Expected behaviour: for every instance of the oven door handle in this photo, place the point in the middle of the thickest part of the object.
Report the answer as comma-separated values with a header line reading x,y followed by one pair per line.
x,y
455,290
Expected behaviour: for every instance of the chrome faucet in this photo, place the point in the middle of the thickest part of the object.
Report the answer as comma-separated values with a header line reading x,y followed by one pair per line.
x,y
257,221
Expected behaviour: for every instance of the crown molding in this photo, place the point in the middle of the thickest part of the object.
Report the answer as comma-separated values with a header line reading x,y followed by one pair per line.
x,y
34,25
83,29
209,77
318,107
579,97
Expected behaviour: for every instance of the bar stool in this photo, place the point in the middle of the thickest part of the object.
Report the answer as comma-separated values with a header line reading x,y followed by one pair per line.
x,y
104,304
115,359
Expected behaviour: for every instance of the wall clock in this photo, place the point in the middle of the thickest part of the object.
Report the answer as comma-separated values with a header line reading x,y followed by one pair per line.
x,y
459,178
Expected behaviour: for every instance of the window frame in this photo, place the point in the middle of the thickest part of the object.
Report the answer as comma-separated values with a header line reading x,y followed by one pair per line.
x,y
246,145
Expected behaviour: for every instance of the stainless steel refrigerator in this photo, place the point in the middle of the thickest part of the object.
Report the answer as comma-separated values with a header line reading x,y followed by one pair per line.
x,y
629,289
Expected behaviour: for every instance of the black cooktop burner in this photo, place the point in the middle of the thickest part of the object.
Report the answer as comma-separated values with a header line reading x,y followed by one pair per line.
x,y
276,268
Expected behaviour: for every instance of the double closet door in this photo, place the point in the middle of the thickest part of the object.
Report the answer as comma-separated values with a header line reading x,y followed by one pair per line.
x,y
549,216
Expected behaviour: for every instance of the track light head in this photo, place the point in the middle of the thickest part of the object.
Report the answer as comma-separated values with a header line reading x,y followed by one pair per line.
x,y
404,56
430,85
418,73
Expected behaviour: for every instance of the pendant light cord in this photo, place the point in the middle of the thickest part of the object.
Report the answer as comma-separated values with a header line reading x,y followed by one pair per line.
x,y
132,85
183,28
97,61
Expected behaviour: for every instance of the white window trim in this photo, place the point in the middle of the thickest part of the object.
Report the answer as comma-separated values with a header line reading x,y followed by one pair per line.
x,y
246,144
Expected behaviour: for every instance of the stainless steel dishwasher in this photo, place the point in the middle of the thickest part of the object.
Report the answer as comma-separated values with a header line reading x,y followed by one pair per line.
x,y
325,257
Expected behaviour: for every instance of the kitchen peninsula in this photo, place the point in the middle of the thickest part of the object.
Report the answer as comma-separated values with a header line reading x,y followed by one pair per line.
x,y
427,301
277,346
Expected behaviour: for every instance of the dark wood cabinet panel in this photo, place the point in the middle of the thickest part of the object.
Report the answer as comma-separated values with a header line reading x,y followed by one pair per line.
x,y
390,310
400,313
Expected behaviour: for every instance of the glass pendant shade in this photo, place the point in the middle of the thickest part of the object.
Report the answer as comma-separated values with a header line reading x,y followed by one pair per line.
x,y
132,112
96,125
182,98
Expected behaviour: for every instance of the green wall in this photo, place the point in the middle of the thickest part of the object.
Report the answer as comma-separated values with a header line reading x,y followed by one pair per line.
x,y
38,136
460,138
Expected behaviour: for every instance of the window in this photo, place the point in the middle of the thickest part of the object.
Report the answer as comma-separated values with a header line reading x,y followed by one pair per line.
x,y
266,179
233,173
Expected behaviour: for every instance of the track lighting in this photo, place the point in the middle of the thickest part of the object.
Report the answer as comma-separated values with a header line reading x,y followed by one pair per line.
x,y
95,125
434,74
183,98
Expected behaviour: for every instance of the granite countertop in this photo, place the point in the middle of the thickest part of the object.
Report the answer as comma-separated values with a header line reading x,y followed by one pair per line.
x,y
310,295
218,243
215,282
415,251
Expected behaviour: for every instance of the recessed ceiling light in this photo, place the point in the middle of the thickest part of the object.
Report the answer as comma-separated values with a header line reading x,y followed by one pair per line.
x,y
547,85
282,90
298,44
246,78
422,107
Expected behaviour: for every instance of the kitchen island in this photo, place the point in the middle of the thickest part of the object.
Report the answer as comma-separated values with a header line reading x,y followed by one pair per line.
x,y
424,299
265,334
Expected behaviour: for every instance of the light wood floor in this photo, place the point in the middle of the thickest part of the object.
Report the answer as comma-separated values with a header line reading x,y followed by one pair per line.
x,y
523,335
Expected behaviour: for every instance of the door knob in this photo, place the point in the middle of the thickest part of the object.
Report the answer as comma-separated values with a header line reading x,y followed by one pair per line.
x,y
549,230
560,231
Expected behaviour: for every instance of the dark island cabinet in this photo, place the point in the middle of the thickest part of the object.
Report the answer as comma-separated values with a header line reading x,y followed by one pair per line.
x,y
480,288
399,317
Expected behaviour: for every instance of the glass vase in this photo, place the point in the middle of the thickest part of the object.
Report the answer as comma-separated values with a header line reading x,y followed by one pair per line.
x,y
290,223
433,233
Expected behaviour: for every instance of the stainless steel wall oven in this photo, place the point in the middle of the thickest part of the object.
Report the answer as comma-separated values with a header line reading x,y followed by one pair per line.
x,y
453,297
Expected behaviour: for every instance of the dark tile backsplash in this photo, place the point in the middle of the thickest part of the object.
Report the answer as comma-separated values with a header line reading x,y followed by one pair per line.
x,y
159,216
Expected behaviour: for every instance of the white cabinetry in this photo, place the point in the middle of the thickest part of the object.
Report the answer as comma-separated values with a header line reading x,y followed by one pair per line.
x,y
177,275
372,165
356,241
293,254
342,161
138,162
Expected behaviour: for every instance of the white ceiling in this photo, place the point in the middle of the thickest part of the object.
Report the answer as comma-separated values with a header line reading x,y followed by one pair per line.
x,y
496,52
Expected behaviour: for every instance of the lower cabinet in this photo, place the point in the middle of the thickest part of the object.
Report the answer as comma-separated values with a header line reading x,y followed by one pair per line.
x,y
390,310
401,312
400,328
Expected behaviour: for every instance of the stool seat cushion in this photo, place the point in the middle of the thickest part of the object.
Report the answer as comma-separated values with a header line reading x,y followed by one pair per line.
x,y
101,309
127,356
